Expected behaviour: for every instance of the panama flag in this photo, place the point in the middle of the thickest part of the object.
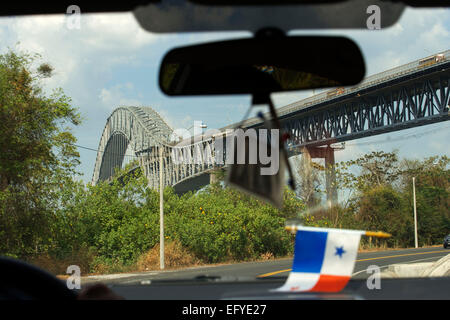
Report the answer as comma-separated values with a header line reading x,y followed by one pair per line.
x,y
323,259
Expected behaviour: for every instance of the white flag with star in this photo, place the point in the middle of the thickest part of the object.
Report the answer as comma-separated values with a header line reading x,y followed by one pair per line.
x,y
323,259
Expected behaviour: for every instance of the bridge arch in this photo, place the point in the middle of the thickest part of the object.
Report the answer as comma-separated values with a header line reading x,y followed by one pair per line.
x,y
132,129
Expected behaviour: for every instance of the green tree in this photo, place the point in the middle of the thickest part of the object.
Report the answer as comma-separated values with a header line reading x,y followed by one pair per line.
x,y
37,152
373,169
383,208
432,196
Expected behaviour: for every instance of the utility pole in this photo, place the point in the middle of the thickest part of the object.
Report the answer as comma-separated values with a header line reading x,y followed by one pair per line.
x,y
415,213
161,209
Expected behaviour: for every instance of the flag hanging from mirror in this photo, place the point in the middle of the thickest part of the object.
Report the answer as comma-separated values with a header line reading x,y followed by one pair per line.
x,y
323,259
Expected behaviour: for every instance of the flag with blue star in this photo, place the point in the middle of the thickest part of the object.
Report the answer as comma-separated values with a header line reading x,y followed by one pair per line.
x,y
324,259
340,251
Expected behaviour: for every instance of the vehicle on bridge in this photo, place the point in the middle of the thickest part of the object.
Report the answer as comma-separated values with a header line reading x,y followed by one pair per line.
x,y
431,60
335,92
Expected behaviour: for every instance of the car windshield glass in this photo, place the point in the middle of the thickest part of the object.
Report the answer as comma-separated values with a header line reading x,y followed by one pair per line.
x,y
87,135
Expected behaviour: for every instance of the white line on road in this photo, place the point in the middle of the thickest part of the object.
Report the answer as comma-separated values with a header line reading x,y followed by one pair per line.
x,y
365,270
120,276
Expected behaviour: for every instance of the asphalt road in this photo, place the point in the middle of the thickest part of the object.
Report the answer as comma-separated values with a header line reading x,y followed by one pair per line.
x,y
273,268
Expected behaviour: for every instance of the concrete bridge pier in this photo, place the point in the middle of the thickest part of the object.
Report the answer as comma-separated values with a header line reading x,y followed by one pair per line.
x,y
326,153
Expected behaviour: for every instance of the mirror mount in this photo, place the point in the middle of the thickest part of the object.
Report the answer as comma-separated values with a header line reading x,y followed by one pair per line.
x,y
270,33
260,98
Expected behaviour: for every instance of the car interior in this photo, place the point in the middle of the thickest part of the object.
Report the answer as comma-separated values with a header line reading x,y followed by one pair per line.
x,y
270,59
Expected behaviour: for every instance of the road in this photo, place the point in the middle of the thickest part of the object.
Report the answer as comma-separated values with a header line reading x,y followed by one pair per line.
x,y
273,268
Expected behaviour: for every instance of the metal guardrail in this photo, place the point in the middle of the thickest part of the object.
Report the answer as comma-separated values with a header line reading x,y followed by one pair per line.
x,y
367,82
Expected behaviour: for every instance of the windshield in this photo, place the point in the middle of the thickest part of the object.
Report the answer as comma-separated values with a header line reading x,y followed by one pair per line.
x,y
81,108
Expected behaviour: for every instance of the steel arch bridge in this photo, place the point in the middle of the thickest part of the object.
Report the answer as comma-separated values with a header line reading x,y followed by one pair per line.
x,y
140,133
128,131
414,94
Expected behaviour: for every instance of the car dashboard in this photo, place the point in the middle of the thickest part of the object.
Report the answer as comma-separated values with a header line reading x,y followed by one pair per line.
x,y
356,289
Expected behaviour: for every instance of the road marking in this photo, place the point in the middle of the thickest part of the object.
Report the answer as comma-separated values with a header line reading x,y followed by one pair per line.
x,y
376,258
272,273
365,270
119,276
358,272
400,255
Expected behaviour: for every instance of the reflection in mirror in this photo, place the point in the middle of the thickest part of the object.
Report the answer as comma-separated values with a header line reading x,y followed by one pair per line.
x,y
260,66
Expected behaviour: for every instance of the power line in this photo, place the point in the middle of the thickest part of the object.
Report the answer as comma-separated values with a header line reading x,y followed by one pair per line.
x,y
103,151
409,136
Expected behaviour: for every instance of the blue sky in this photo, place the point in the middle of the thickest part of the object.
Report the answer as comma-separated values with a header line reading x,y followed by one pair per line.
x,y
110,61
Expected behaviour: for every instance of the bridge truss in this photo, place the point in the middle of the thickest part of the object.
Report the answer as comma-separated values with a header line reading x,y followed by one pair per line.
x,y
401,98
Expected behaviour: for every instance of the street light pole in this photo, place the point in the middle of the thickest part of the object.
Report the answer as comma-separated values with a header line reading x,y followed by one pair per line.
x,y
161,209
415,213
197,124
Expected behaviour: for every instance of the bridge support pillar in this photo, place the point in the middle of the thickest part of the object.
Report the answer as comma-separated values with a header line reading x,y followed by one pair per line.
x,y
326,153
330,170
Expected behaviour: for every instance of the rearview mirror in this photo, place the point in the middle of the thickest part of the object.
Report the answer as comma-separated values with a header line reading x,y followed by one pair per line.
x,y
261,66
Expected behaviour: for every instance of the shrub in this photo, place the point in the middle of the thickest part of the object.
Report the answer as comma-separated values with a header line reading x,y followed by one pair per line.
x,y
175,256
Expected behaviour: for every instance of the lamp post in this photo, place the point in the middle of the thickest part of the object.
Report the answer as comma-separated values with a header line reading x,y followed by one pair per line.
x,y
197,124
161,209
161,195
416,242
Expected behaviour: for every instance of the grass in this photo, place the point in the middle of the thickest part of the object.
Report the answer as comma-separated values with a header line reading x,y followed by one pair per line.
x,y
82,257
175,256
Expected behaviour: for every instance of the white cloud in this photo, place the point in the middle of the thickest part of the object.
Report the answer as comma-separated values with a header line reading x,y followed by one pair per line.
x,y
103,41
419,33
115,30
119,95
174,123
396,30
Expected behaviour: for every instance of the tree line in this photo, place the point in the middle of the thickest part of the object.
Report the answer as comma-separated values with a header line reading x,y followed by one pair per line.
x,y
377,194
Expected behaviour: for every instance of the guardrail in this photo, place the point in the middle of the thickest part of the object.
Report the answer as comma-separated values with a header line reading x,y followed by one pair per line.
x,y
367,82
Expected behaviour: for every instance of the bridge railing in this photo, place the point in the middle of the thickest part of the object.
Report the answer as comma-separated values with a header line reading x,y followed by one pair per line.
x,y
367,82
